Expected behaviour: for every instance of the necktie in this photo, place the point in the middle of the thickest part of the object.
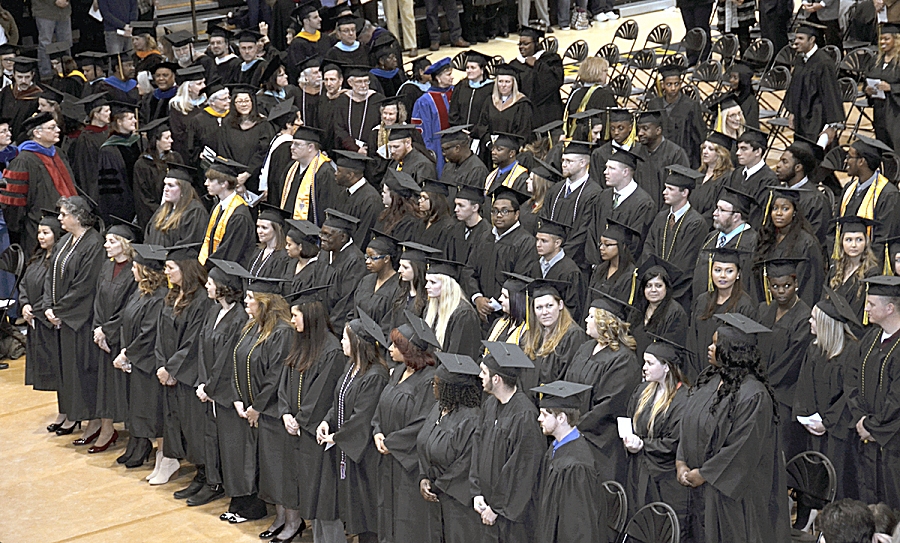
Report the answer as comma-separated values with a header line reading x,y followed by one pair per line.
x,y
745,175
671,221
568,190
721,242
615,199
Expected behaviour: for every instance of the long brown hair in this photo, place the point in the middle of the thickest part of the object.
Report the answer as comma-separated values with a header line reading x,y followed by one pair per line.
x,y
308,344
150,280
400,207
168,216
363,354
272,310
737,292
193,278
670,385
534,337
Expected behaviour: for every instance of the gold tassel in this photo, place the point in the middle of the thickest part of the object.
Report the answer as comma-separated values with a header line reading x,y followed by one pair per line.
x,y
709,281
836,253
606,128
766,285
633,287
632,137
768,207
866,301
886,269
719,120
527,311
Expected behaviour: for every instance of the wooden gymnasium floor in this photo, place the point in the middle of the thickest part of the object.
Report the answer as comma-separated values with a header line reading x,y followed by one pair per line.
x,y
52,491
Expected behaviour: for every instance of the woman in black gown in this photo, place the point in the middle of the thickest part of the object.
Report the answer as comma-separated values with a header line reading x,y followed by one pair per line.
x,y
349,471
150,169
855,262
510,324
379,290
405,402
716,166
508,110
115,284
306,269
617,274
181,218
411,271
67,303
115,164
401,217
39,369
728,453
245,135
444,448
455,322
311,373
270,259
437,212
137,358
660,314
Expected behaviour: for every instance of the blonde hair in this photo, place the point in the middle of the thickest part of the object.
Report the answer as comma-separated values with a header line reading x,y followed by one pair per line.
x,y
181,102
535,345
613,331
168,216
151,280
867,263
594,70
721,122
272,309
831,334
661,404
540,186
438,311
127,249
723,161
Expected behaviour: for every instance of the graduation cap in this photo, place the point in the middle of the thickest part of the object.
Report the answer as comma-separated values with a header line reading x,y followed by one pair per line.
x,y
869,148
835,306
149,256
514,196
436,186
457,369
314,61
356,70
50,219
439,66
155,126
88,58
724,101
308,134
621,310
304,10
562,395
574,147
743,324
505,69
118,107
509,141
651,117
672,70
187,251
419,63
506,358
172,66
728,255
587,114
622,233
811,29
367,329
546,287
93,101
423,335
180,38
70,109
682,176
49,93
329,65
341,221
883,285
470,193
24,65
271,67
547,171
382,243
416,252
267,285
216,27
549,128
656,265
618,115
753,136
272,213
516,282
400,131
249,36
125,229
144,28
351,160
401,183
786,193
57,50
35,121
229,274
439,266
303,230
741,201
855,224
553,228
307,295
7,49
455,134
726,142
193,73
531,32
890,28
478,58
282,113
781,266
666,350
626,157
180,171
349,19
227,166
386,101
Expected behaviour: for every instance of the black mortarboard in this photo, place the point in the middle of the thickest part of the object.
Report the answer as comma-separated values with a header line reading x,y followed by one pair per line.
x,y
728,255
621,310
547,226
855,224
787,193
835,306
314,61
144,28
890,28
7,49
509,141
215,27
70,109
439,266
93,101
341,221
547,171
781,267
242,88
227,166
666,350
308,133
180,38
351,160
651,117
356,70
162,122
682,176
383,243
349,19
742,323
621,232
811,29
617,115
470,193
724,101
306,230
455,133
505,69
329,65
367,329
401,183
516,282
562,395
35,121
304,10
626,157
49,93
741,201
423,335
268,285
656,264
479,58
385,101
753,135
172,66
870,148
806,152
883,285
530,31
57,50
720,139
187,251
180,171
548,128
436,187
282,113
249,36
275,62
457,369
891,247
89,58
50,218
150,256
272,213
506,358
670,70
547,287
193,73
400,131
229,274
24,65
125,229
116,107
587,114
508,193
578,148
311,294
416,252
381,50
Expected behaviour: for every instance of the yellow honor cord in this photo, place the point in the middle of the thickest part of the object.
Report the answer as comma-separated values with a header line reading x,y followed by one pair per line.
x,y
633,286
866,301
836,253
768,207
709,281
766,285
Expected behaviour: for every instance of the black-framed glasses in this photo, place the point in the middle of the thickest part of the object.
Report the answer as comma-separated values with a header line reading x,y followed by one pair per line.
x,y
501,212
376,258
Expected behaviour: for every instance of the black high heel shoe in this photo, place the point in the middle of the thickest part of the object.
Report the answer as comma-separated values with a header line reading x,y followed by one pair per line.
x,y
141,454
54,427
129,451
269,534
63,431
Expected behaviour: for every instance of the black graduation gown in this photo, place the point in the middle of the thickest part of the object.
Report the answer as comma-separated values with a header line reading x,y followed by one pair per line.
x,y
325,120
463,333
506,457
467,102
240,235
460,245
704,197
18,106
814,96
353,120
514,252
416,164
575,293
494,180
820,389
671,324
279,157
357,57
601,97
364,204
84,152
571,506
438,234
148,176
115,164
266,100
41,371
399,416
248,147
517,119
576,212
154,106
887,212
445,447
470,172
599,157
637,211
756,185
203,130
745,241
69,289
316,273
683,124
378,304
651,471
701,330
886,111
541,84
736,451
652,174
553,365
679,246
810,273
250,74
308,104
307,398
301,48
109,303
191,229
817,204
350,268
182,142
227,69
139,318
613,375
350,470
854,291
276,264
622,285
323,194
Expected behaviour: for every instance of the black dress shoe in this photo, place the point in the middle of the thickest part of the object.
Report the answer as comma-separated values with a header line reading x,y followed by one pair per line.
x,y
4,366
63,431
207,494
54,427
142,452
191,489
129,451
269,534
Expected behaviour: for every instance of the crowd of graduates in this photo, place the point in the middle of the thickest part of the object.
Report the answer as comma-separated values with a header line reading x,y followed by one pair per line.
x,y
409,309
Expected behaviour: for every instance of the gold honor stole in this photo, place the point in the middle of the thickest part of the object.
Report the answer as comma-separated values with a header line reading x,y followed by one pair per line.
x,y
307,187
514,174
233,204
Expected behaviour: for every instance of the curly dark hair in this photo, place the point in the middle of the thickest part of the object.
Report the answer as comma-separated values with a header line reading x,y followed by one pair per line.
x,y
768,235
738,359
414,357
454,395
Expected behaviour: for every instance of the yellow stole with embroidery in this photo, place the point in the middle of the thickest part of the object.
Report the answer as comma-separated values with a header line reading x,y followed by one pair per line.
x,y
866,209
514,174
233,204
307,186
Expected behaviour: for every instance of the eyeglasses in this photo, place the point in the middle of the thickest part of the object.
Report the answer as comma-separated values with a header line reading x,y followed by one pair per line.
x,y
720,210
376,258
613,244
501,212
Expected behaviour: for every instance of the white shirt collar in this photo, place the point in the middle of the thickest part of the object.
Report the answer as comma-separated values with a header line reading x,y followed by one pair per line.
x,y
224,203
356,186
754,169
626,191
574,184
800,184
811,52
680,213
498,237
536,56
226,58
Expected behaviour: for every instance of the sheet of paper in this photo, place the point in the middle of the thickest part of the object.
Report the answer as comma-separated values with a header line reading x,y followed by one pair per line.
x,y
810,420
870,82
475,146
384,153
328,446
95,13
625,428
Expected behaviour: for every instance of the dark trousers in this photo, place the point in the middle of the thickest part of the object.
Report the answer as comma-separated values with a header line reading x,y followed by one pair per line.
x,y
697,17
432,20
774,20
